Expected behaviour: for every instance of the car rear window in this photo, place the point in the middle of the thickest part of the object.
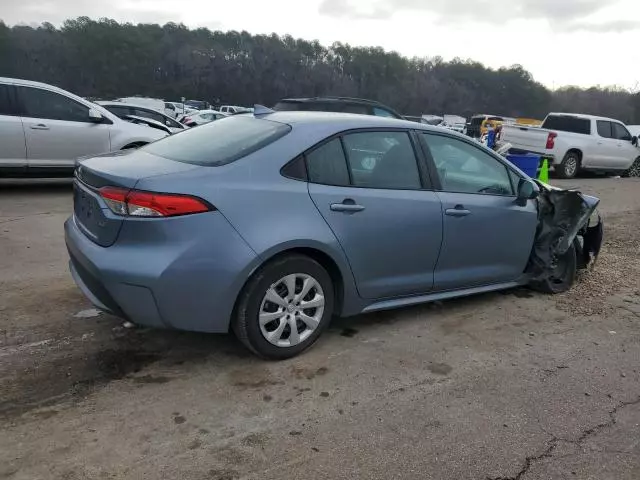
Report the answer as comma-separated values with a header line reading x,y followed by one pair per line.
x,y
565,123
220,142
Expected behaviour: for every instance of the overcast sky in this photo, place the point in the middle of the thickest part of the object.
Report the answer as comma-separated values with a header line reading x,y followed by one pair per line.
x,y
562,42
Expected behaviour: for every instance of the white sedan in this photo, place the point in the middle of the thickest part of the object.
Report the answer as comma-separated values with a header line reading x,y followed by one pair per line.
x,y
202,117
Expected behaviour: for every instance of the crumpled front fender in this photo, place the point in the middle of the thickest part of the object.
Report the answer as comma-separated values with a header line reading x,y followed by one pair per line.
x,y
562,216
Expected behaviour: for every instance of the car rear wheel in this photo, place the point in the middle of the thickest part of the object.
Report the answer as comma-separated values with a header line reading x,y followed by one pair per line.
x,y
634,169
563,275
569,166
285,307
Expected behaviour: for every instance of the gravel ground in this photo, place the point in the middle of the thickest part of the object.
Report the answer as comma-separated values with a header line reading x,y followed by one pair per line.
x,y
512,385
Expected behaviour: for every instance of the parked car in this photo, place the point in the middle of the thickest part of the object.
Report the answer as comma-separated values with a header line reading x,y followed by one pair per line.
x,y
44,129
181,110
576,142
233,109
198,104
202,117
126,110
337,104
477,126
269,224
156,104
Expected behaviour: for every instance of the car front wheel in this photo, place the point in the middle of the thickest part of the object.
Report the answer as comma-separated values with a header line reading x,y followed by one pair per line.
x,y
634,169
563,275
285,307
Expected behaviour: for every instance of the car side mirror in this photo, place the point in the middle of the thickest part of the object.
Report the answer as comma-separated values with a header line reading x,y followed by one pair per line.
x,y
95,116
527,190
634,141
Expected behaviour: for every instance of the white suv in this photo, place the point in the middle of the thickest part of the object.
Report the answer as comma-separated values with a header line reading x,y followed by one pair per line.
x,y
44,129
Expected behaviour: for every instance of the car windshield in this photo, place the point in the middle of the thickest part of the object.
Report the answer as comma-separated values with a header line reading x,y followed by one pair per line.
x,y
220,142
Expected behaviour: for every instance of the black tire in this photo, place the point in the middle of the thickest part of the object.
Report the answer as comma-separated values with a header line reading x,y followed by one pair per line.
x,y
563,276
569,167
634,169
245,323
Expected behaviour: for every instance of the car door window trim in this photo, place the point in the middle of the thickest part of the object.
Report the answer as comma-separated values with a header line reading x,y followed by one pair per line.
x,y
426,182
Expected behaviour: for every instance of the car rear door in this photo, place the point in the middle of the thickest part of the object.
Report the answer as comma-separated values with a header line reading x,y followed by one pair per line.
x,y
487,236
371,191
606,147
13,150
58,129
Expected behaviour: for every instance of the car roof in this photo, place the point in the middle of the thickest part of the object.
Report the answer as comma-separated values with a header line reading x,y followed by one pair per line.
x,y
333,99
340,121
583,116
125,104
30,83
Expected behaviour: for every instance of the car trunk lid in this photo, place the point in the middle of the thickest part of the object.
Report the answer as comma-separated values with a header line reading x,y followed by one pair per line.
x,y
121,169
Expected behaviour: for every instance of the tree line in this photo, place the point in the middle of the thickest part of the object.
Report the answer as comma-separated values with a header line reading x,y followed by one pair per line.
x,y
106,59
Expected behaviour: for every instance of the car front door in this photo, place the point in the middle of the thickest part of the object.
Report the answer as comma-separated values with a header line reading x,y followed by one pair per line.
x,y
58,129
488,236
13,150
626,152
370,189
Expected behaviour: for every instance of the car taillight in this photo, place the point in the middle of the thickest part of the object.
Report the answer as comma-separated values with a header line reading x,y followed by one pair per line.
x,y
137,203
551,140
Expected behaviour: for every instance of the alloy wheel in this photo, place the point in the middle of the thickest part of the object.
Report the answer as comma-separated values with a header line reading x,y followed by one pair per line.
x,y
291,310
571,166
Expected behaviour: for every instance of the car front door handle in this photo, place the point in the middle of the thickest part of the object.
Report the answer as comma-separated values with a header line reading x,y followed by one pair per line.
x,y
457,211
39,126
347,205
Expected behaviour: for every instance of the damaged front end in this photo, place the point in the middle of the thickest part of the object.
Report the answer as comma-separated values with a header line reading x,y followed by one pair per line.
x,y
569,236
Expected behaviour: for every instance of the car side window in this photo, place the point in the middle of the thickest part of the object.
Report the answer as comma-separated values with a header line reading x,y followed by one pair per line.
x,y
120,112
381,112
604,129
140,112
6,104
382,160
355,108
620,132
39,103
465,168
327,164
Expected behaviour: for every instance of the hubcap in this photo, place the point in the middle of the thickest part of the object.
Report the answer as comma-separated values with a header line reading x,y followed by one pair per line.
x,y
634,171
571,166
291,310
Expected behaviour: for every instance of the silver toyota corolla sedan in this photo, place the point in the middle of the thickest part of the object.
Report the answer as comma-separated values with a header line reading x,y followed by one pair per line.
x,y
270,223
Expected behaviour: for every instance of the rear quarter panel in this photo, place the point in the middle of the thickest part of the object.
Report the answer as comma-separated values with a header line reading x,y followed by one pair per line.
x,y
271,213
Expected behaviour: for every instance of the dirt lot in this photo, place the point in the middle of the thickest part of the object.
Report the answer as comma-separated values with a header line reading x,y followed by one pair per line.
x,y
513,385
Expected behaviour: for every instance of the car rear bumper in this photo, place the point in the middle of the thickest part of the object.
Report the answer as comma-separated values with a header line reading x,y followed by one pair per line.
x,y
188,278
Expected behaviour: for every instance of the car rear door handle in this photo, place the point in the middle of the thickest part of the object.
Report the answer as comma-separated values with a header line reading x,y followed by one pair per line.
x,y
457,211
348,205
39,126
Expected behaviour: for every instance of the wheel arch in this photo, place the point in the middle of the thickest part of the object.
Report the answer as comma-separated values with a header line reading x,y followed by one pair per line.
x,y
577,151
341,275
